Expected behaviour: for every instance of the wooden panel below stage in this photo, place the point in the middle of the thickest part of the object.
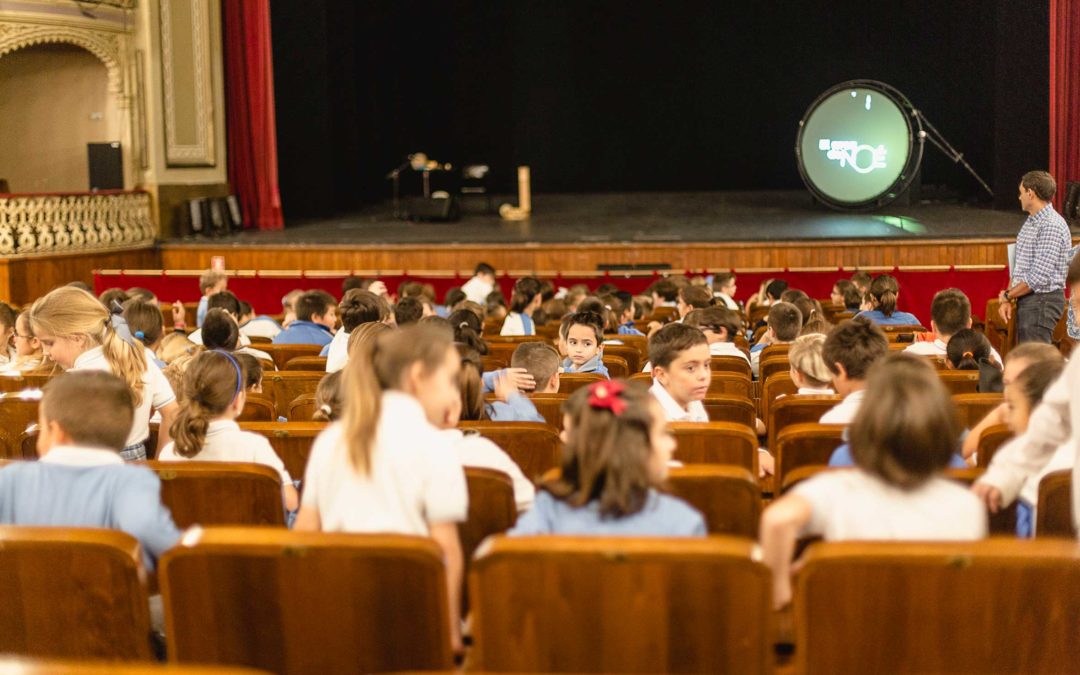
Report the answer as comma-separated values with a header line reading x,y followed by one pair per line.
x,y
586,257
23,280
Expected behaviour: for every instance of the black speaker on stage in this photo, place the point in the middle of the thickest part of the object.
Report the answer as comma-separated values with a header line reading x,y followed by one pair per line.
x,y
439,209
106,166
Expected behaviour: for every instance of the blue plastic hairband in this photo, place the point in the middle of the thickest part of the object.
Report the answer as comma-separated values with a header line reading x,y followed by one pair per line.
x,y
239,372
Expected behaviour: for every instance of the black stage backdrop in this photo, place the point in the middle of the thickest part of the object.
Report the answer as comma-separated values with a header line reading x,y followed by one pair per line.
x,y
629,96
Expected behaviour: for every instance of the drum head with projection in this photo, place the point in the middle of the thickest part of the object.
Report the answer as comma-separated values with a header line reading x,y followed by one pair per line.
x,y
859,145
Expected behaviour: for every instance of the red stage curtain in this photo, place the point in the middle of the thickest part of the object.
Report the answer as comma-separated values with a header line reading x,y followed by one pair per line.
x,y
1064,94
249,103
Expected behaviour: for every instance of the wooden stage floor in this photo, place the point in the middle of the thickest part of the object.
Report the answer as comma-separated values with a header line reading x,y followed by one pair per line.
x,y
579,232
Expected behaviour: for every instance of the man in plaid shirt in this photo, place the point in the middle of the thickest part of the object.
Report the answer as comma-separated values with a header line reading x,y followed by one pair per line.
x,y
1042,259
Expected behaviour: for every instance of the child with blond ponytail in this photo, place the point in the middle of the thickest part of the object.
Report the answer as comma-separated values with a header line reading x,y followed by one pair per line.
x,y
214,394
78,333
385,466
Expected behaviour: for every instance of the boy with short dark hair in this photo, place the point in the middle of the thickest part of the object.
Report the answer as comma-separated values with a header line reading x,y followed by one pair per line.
x,y
316,316
849,351
681,370
720,326
584,337
357,307
408,311
541,361
950,313
210,282
81,481
724,289
691,298
784,324
481,284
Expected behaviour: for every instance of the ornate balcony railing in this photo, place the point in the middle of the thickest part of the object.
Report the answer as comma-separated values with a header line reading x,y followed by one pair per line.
x,y
71,223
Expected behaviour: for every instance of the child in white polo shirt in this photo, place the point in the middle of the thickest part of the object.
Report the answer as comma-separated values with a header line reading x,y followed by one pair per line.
x,y
681,370
849,351
214,394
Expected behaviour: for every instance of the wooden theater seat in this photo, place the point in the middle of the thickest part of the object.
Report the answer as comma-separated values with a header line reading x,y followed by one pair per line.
x,y
302,408
768,367
972,408
777,385
282,353
616,365
638,342
19,666
306,602
308,363
720,382
727,496
291,441
16,382
796,410
550,407
804,444
571,382
492,510
960,381
72,593
715,443
615,604
258,408
999,605
1054,514
19,411
533,446
220,493
284,386
990,441
729,408
735,365
628,352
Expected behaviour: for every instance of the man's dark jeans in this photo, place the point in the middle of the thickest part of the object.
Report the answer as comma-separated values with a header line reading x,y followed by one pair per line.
x,y
1037,314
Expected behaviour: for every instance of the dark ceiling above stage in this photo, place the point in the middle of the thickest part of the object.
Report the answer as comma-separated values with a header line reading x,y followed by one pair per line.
x,y
625,96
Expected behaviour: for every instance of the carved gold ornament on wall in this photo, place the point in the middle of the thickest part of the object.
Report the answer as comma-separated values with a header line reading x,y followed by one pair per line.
x,y
37,224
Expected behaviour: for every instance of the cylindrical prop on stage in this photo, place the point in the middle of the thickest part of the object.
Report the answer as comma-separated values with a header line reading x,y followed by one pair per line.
x,y
524,207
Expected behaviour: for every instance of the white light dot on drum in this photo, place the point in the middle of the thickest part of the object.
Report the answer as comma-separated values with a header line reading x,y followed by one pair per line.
x,y
868,101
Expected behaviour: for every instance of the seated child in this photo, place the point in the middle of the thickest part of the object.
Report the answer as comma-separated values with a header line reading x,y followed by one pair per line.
x,y
408,311
691,298
541,363
316,317
210,283
724,289
144,322
950,313
808,370
847,295
631,310
81,481
616,455
1021,397
7,332
784,321
206,428
967,349
849,351
256,325
720,326
28,354
221,332
884,293
525,300
509,405
253,372
328,401
475,450
357,307
901,441
681,370
225,301
584,335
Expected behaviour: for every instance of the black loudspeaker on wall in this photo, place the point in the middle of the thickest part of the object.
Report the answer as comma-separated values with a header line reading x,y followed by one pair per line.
x,y
106,166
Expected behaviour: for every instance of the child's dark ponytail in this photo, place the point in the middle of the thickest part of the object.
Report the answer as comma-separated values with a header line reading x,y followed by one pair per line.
x,y
211,383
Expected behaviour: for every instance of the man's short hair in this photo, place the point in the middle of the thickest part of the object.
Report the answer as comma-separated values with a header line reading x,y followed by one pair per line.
x,y
540,359
209,279
408,311
313,303
359,307
666,344
95,408
951,311
224,300
483,268
666,290
715,319
855,344
1041,182
785,319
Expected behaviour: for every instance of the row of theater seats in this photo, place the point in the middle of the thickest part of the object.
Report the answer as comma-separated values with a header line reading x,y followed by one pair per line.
x,y
293,602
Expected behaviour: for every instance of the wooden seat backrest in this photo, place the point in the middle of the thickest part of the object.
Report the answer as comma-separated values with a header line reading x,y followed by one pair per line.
x,y
620,604
490,363
729,408
664,312
499,353
260,340
776,385
991,439
18,412
638,342
306,602
220,493
736,384
960,381
767,367
616,365
258,408
938,607
736,365
302,408
533,446
972,408
715,443
284,386
1054,514
291,441
571,382
796,410
308,363
514,340
776,350
76,667
628,352
550,407
21,381
805,444
727,496
283,353
72,593
492,510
